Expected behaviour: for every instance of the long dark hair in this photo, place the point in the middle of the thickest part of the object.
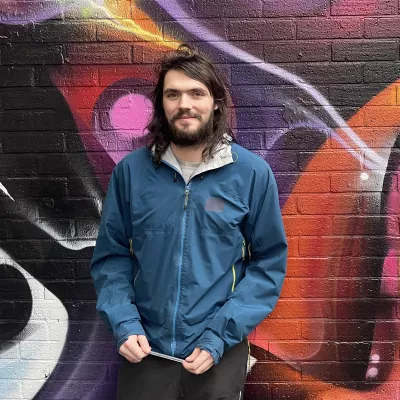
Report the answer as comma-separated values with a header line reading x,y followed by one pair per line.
x,y
201,69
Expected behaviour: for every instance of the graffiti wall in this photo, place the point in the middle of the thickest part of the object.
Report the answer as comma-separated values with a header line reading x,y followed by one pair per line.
x,y
314,91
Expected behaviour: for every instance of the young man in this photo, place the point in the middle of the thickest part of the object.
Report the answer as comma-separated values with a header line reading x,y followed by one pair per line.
x,y
191,252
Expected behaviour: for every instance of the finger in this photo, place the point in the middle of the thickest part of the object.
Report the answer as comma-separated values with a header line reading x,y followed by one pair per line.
x,y
204,367
144,344
200,359
194,355
126,354
133,347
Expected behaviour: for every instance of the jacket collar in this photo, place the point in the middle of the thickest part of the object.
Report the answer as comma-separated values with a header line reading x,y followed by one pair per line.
x,y
222,156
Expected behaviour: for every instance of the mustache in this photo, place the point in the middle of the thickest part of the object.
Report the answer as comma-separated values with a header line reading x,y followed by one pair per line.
x,y
182,113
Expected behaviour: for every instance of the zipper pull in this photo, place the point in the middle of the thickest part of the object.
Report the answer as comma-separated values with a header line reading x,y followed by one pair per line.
x,y
186,198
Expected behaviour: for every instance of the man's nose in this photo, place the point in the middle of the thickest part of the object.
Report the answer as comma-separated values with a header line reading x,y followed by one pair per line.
x,y
185,102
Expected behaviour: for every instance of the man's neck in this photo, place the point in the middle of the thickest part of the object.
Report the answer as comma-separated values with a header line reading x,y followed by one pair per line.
x,y
188,154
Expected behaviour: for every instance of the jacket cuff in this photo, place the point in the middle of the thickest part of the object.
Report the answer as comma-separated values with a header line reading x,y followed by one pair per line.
x,y
127,329
212,343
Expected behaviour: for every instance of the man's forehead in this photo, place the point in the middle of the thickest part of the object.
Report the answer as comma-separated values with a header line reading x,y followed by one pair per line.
x,y
177,80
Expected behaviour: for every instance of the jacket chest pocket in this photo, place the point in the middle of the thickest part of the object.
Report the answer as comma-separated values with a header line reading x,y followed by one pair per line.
x,y
154,207
219,210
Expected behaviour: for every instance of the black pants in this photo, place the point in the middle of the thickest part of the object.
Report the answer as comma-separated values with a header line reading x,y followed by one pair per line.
x,y
155,378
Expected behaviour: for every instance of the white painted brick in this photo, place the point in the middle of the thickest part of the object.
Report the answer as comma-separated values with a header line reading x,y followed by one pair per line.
x,y
58,330
24,369
35,331
10,389
46,310
40,350
37,289
30,388
11,352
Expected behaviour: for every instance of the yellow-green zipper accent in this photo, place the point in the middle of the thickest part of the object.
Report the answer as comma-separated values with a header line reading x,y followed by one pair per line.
x,y
248,249
234,277
243,249
131,248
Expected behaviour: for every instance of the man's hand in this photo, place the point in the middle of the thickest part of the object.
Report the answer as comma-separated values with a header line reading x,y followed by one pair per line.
x,y
198,362
135,348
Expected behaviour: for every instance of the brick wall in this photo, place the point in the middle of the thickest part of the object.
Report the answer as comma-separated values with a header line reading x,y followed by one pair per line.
x,y
314,92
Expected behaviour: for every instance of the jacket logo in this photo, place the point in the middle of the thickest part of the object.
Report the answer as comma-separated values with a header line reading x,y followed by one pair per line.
x,y
214,204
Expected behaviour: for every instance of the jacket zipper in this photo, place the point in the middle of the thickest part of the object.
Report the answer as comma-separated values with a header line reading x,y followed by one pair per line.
x,y
234,277
183,233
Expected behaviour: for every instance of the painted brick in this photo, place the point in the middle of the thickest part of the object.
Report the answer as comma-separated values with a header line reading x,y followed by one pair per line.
x,y
383,71
259,96
382,116
67,75
307,267
301,309
362,308
16,76
173,31
87,228
11,386
291,288
329,204
364,7
33,142
15,34
281,52
279,329
64,208
72,164
382,27
64,32
35,187
32,54
306,183
227,9
50,269
301,350
235,56
317,73
352,95
260,117
261,30
250,140
335,28
282,161
360,351
256,391
376,50
365,225
25,229
333,371
292,8
353,182
307,225
93,53
73,290
272,372
251,74
33,98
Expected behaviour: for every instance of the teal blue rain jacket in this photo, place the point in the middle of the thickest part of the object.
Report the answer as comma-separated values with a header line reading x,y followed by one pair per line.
x,y
189,265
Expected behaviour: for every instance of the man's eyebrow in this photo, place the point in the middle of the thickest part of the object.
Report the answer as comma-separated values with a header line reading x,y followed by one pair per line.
x,y
196,89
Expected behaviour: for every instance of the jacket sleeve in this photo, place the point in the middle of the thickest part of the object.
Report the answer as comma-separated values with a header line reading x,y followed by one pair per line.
x,y
257,293
111,267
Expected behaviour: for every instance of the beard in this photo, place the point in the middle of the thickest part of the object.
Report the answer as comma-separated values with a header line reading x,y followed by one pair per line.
x,y
189,138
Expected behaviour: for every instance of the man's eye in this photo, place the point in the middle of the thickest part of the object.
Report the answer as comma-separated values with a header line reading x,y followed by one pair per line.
x,y
172,95
198,94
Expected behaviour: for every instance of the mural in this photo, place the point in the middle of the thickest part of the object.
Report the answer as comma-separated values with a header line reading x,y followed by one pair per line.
x,y
314,90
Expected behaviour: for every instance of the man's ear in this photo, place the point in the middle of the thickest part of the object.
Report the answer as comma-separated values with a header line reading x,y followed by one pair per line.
x,y
215,106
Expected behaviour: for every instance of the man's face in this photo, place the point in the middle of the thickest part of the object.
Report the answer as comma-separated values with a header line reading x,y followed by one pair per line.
x,y
189,108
